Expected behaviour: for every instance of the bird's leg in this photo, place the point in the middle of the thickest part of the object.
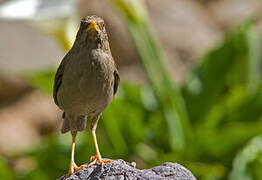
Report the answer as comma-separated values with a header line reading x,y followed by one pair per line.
x,y
73,167
72,160
97,157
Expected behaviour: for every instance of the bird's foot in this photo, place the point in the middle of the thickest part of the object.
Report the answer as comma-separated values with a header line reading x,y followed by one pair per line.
x,y
97,158
74,168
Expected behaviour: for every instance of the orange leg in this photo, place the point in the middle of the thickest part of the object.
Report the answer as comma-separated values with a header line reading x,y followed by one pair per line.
x,y
73,167
97,157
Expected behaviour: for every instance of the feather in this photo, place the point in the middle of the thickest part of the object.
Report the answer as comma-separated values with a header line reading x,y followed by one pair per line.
x,y
81,123
58,79
66,124
116,81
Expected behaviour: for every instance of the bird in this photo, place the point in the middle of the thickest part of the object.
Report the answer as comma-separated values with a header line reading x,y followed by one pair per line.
x,y
86,82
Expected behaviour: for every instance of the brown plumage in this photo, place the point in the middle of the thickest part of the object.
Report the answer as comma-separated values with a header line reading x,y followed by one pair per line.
x,y
86,82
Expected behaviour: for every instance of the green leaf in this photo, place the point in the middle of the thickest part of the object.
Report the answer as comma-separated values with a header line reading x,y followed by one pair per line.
x,y
249,154
5,172
233,121
225,141
43,79
235,62
237,105
153,59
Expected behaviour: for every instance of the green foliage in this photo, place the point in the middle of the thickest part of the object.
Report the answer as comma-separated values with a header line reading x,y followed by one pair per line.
x,y
5,172
223,93
235,62
252,153
206,125
43,79
171,101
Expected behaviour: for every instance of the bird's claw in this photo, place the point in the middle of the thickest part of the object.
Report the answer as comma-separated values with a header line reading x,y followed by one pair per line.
x,y
97,158
75,168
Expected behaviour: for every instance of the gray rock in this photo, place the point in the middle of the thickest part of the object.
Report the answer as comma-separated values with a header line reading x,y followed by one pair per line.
x,y
121,170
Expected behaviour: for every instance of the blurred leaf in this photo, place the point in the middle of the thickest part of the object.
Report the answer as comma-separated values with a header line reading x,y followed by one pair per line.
x,y
62,29
233,121
152,57
50,156
125,125
207,171
148,98
221,142
62,39
5,172
250,153
146,152
132,9
43,79
237,105
113,129
235,62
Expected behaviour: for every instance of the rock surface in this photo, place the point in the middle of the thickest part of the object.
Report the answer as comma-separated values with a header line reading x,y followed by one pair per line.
x,y
120,169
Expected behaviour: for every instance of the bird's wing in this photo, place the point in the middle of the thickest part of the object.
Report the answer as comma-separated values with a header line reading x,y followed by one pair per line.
x,y
58,79
116,81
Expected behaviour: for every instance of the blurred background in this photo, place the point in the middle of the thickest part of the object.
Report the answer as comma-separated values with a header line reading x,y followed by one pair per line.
x,y
190,92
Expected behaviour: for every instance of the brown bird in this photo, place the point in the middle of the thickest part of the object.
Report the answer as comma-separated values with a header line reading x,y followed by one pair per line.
x,y
85,83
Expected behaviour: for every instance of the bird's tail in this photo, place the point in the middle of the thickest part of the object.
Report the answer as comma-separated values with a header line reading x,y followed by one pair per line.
x,y
78,125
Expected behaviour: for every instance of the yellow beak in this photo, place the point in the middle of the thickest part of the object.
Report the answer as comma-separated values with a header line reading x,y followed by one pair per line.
x,y
93,25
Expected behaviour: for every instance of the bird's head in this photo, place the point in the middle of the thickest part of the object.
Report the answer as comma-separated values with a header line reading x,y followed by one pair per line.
x,y
92,32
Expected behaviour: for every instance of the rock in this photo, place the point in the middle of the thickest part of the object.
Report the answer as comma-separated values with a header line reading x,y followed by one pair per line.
x,y
120,169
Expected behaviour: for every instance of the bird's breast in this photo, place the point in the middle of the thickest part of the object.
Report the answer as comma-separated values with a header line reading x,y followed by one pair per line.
x,y
96,83
87,85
